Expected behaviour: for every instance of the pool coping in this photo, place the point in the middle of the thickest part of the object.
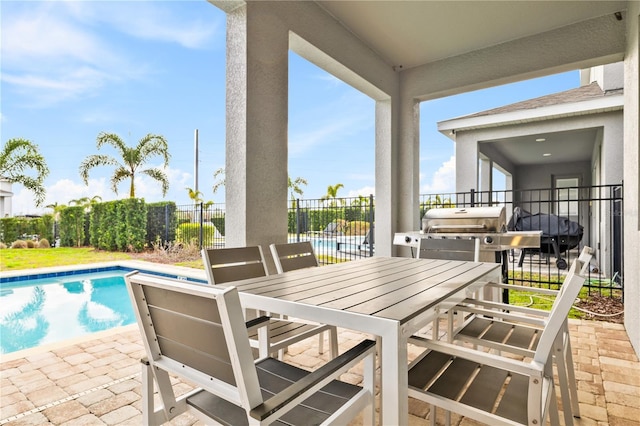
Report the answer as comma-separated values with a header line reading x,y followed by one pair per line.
x,y
143,266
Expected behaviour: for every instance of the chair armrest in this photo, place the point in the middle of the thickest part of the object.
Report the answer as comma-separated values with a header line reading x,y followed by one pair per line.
x,y
546,291
256,323
314,380
528,368
534,315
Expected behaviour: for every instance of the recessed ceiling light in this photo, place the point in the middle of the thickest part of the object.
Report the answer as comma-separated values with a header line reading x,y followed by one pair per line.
x,y
546,154
540,140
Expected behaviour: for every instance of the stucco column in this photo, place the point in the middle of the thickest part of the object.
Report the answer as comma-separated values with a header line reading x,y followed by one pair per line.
x,y
256,140
407,167
632,176
486,179
466,163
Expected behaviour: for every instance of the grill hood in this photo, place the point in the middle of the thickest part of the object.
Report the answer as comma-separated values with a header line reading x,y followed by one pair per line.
x,y
465,220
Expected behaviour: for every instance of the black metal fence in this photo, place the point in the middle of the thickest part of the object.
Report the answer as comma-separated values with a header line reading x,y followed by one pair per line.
x,y
570,218
342,229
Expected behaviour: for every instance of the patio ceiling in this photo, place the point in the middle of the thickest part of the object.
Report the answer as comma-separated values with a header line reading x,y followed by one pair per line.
x,y
563,147
413,33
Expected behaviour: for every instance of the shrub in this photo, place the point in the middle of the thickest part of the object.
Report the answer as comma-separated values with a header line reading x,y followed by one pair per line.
x,y
3,246
44,243
189,233
19,244
357,227
31,244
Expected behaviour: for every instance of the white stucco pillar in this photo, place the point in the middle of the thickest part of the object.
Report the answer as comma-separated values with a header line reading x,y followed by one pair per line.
x,y
385,201
632,176
256,140
466,163
407,167
486,180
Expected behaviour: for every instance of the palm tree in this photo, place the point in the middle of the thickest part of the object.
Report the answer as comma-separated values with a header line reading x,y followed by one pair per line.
x,y
196,196
294,187
18,156
133,158
332,194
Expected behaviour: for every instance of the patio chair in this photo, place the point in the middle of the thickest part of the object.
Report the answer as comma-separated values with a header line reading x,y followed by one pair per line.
x,y
232,264
198,333
300,255
491,388
517,329
449,249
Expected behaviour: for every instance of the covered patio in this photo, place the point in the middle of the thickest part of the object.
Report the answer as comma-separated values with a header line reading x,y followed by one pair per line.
x,y
401,54
96,380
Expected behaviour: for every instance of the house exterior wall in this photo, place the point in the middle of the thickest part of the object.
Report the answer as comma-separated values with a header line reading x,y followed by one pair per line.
x,y
5,198
631,163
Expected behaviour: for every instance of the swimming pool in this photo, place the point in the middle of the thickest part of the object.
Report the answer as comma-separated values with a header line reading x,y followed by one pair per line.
x,y
34,312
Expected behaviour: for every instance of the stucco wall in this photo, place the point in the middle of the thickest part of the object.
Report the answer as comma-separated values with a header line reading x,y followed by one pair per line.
x,y
632,177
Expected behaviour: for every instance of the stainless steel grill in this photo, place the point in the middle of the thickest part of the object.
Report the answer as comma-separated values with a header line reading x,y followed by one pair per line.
x,y
489,224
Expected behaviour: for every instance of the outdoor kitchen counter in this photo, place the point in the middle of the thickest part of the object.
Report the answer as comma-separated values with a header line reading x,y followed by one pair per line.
x,y
390,297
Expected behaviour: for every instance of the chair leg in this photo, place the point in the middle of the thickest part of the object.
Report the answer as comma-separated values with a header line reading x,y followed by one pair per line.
x,y
564,385
147,393
333,342
571,377
321,343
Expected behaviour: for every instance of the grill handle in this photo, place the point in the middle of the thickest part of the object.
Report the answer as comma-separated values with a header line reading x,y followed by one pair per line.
x,y
452,226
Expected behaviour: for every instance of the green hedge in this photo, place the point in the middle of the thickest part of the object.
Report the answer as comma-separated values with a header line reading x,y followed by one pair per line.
x,y
72,226
12,228
189,233
119,225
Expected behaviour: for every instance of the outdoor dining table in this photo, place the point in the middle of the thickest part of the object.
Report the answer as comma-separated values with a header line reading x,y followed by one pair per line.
x,y
389,297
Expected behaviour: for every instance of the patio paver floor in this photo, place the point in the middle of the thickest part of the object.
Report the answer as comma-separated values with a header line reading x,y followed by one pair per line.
x,y
96,380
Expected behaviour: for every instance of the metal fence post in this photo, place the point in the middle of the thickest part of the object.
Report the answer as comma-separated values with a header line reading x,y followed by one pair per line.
x,y
371,230
201,230
473,197
297,220
166,224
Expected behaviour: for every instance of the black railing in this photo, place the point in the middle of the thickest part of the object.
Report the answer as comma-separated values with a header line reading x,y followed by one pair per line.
x,y
342,229
570,218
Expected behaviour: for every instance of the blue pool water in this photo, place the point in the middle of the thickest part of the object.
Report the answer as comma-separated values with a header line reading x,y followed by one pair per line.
x,y
38,311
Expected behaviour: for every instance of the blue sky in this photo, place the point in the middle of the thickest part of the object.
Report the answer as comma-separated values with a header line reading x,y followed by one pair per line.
x,y
72,69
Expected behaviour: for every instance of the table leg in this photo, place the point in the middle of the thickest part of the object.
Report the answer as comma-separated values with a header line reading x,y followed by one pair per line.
x,y
394,409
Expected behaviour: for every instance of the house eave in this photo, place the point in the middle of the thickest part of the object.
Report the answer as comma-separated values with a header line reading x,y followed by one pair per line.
x,y
572,109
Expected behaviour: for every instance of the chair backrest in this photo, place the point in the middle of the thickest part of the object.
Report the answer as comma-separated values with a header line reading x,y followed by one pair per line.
x,y
198,332
290,256
232,264
449,248
573,282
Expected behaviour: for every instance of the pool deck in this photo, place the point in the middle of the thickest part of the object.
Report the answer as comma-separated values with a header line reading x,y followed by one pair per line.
x,y
95,380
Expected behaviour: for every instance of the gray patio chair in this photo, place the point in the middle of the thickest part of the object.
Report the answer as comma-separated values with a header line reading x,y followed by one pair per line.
x,y
448,249
491,388
198,333
232,264
517,329
300,255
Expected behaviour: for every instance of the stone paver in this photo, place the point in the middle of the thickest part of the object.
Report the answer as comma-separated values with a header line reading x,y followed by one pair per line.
x,y
97,382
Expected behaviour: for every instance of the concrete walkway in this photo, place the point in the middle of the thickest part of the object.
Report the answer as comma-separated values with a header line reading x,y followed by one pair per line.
x,y
96,380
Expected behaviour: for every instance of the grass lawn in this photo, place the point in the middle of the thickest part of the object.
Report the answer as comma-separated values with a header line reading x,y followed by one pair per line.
x,y
16,259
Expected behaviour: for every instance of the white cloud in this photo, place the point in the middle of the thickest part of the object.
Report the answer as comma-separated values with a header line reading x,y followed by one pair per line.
x,y
55,51
443,180
364,191
153,23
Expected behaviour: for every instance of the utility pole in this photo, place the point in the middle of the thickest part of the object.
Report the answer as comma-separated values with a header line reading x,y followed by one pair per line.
x,y
195,164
